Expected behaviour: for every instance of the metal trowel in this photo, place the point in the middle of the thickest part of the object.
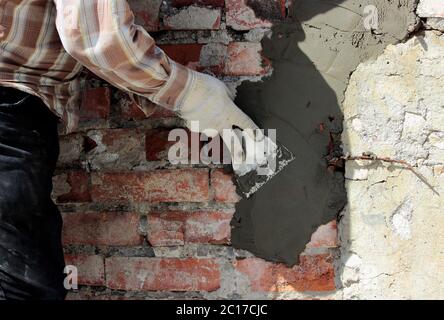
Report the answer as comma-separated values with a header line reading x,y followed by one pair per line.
x,y
261,163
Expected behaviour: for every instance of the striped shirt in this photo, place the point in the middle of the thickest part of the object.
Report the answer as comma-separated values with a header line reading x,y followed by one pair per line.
x,y
45,44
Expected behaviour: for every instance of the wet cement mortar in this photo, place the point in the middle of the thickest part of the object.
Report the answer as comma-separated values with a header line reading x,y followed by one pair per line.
x,y
313,53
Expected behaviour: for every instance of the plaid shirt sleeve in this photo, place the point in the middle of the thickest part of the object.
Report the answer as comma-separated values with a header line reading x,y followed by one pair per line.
x,y
102,35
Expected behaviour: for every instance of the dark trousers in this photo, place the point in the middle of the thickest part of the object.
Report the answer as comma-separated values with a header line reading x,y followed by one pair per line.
x,y
31,255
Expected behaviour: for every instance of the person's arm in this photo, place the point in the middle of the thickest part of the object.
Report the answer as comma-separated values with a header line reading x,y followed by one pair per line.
x,y
102,35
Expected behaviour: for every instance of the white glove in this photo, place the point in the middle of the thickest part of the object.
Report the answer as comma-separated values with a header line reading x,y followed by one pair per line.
x,y
211,103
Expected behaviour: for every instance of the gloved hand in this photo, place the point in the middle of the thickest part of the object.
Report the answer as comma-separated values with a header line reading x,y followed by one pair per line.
x,y
211,103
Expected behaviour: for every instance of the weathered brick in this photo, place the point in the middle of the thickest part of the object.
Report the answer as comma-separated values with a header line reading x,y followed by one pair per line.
x,y
250,14
71,148
130,111
101,228
213,58
314,273
122,149
194,18
186,54
158,145
115,148
166,229
325,236
245,59
208,227
157,274
184,185
223,188
71,186
162,113
146,13
95,104
207,58
90,269
177,228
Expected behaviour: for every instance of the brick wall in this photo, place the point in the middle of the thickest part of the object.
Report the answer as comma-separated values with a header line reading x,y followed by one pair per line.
x,y
138,227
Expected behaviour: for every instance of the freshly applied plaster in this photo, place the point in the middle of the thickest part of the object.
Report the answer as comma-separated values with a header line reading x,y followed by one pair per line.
x,y
313,53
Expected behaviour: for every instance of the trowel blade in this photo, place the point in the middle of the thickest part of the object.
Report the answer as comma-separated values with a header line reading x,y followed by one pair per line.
x,y
251,182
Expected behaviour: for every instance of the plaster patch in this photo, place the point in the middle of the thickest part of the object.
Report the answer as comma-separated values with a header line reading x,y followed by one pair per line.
x,y
401,220
313,53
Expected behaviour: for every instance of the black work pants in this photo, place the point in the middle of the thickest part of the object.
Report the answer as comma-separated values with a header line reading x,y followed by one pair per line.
x,y
31,255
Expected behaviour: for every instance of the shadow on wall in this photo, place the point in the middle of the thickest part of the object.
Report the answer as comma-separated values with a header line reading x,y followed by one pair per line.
x,y
277,222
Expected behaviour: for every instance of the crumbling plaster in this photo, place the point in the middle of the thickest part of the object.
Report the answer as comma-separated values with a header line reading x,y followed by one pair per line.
x,y
391,235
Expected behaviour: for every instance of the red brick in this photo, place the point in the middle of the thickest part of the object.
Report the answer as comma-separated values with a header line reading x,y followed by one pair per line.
x,y
114,138
130,111
178,228
163,113
71,148
208,227
250,14
115,148
223,188
186,54
212,3
166,229
95,104
314,273
72,186
147,13
157,274
325,236
245,59
184,185
94,228
90,269
158,145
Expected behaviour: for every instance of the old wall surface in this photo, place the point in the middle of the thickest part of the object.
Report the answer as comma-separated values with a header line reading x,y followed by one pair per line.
x,y
391,231
137,227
